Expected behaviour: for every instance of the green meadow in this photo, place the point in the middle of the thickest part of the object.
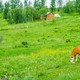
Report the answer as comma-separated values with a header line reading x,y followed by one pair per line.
x,y
39,50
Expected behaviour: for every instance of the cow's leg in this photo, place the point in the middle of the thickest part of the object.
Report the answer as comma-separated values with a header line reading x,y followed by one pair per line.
x,y
77,57
72,60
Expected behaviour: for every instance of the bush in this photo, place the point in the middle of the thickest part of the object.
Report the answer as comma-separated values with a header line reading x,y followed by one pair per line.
x,y
15,16
43,10
19,15
6,10
29,14
11,16
1,7
69,7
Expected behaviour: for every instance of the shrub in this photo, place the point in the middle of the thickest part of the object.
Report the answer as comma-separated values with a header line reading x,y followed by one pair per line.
x,y
15,16
11,16
69,7
29,14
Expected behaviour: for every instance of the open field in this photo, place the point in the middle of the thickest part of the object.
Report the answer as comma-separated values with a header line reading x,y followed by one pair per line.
x,y
39,50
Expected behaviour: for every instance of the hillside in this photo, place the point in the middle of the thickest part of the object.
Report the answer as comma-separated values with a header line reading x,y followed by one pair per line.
x,y
39,50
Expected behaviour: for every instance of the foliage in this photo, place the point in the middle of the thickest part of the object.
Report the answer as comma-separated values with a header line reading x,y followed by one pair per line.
x,y
27,3
69,7
14,3
60,2
37,4
21,5
6,10
11,16
29,14
52,5
19,15
1,7
43,3
78,6
43,12
15,16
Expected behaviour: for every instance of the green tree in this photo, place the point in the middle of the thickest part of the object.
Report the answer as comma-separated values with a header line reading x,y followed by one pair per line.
x,y
18,15
77,6
15,16
11,16
60,2
52,5
43,12
21,5
25,3
14,3
29,3
69,7
29,14
37,4
1,7
43,3
6,9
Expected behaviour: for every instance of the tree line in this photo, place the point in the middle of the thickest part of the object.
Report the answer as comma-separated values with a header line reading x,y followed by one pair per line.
x,y
14,11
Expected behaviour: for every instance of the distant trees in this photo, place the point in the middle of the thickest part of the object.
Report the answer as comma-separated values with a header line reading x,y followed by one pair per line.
x,y
77,4
41,9
59,3
69,7
43,3
14,4
1,7
16,12
25,3
72,6
6,9
29,14
19,15
15,16
37,4
21,5
52,5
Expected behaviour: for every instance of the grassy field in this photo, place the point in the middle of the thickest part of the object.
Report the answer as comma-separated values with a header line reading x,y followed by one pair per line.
x,y
39,50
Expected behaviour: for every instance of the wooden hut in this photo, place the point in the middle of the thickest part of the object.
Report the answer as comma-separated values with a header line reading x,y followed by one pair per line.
x,y
49,16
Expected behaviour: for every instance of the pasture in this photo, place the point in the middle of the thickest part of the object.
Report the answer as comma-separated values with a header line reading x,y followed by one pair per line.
x,y
39,50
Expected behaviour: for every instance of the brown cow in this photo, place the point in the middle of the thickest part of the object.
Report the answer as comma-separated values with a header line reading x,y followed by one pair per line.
x,y
75,54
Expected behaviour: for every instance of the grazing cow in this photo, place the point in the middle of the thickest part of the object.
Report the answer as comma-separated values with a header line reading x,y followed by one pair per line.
x,y
75,54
